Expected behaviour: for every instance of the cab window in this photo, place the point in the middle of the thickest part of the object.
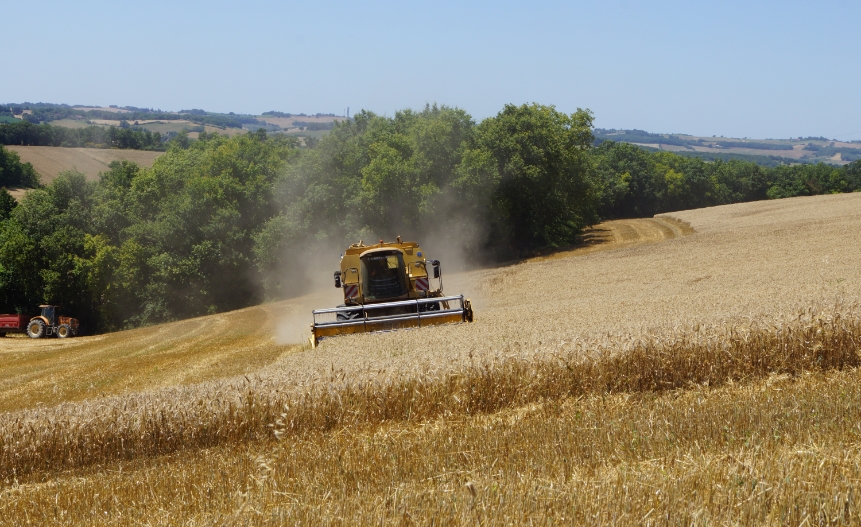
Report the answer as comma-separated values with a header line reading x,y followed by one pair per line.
x,y
383,276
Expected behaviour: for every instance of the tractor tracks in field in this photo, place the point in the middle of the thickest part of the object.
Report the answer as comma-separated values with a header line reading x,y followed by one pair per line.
x,y
617,234
646,230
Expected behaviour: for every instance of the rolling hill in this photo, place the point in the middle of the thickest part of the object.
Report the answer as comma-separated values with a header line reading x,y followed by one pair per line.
x,y
50,161
768,152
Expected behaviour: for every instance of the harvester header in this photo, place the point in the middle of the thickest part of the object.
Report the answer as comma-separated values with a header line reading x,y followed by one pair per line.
x,y
388,286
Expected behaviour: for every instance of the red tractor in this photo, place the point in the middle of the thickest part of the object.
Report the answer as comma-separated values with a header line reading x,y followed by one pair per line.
x,y
49,323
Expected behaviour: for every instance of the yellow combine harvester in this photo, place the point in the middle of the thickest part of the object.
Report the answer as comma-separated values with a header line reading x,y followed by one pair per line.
x,y
387,286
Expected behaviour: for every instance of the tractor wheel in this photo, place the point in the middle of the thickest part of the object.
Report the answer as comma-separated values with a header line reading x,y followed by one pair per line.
x,y
2,335
64,331
36,329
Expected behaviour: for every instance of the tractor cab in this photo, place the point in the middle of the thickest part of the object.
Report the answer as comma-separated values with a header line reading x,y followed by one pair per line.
x,y
50,314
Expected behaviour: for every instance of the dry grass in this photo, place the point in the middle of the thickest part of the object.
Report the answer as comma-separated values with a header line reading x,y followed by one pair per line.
x,y
674,379
71,123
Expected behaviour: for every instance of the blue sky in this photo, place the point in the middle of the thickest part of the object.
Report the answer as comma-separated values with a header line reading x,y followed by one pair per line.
x,y
742,69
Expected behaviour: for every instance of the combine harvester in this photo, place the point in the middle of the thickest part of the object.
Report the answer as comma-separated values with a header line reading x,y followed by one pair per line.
x,y
387,287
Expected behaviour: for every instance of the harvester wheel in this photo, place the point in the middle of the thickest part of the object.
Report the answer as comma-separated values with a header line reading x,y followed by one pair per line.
x,y
36,329
64,331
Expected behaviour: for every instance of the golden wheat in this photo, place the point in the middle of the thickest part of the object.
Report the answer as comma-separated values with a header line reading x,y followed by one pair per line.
x,y
779,451
76,435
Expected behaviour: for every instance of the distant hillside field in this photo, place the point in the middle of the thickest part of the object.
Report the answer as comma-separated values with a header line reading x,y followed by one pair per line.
x,y
162,127
768,151
114,110
287,122
50,161
168,123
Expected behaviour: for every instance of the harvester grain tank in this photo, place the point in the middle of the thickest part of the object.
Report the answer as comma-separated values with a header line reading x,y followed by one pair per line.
x,y
388,286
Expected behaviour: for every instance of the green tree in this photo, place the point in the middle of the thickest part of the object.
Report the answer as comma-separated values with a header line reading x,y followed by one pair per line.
x,y
7,203
191,220
41,246
14,173
371,177
852,176
737,181
546,190
626,174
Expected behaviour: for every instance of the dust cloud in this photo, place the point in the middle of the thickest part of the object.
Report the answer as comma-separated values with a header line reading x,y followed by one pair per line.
x,y
309,285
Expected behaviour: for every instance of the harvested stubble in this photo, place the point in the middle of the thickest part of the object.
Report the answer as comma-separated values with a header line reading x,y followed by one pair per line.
x,y
47,372
49,161
37,442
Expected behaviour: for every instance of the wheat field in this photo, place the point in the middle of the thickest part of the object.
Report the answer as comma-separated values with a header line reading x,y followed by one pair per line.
x,y
696,368
49,161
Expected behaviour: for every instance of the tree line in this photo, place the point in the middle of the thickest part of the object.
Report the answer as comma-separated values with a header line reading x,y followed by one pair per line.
x,y
645,138
222,223
46,112
314,126
641,136
28,134
14,173
638,183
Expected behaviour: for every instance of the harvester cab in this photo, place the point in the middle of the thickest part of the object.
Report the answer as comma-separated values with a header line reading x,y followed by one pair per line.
x,y
51,323
388,286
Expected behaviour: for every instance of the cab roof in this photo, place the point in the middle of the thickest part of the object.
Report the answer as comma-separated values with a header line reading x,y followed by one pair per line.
x,y
361,248
382,250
